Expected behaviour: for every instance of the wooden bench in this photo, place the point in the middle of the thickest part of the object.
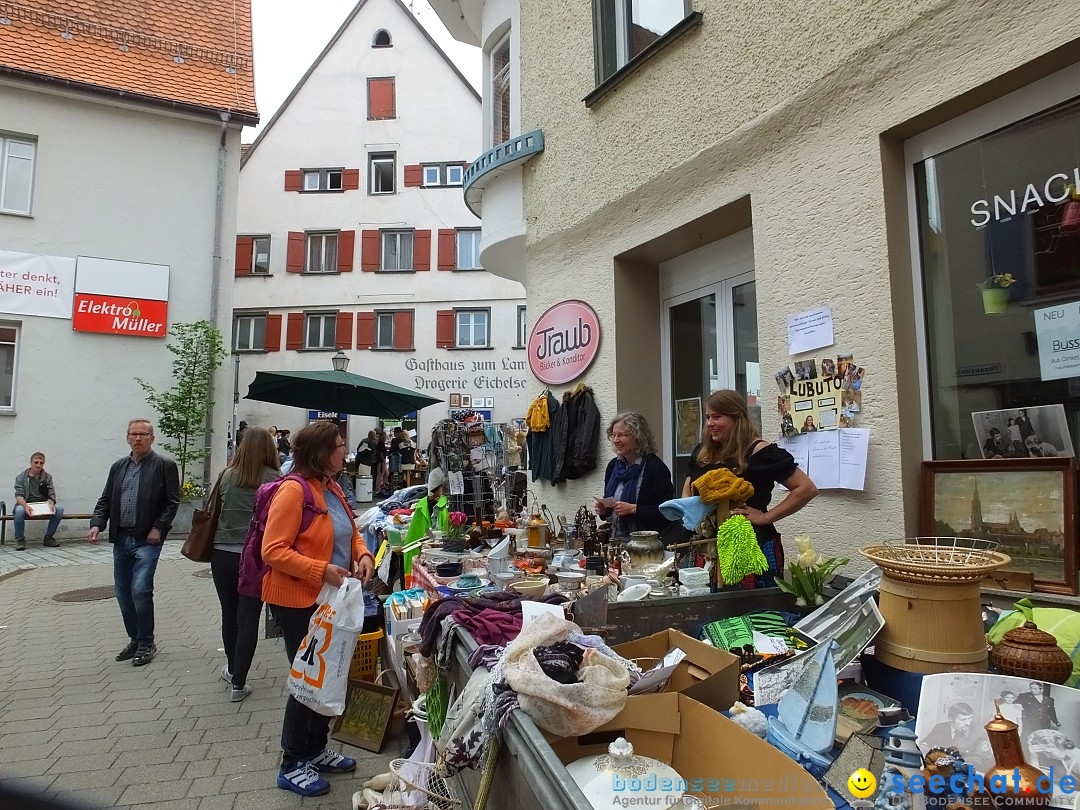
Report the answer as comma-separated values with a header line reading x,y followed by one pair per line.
x,y
5,517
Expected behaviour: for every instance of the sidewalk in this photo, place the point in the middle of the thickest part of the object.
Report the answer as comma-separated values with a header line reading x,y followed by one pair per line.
x,y
72,551
76,724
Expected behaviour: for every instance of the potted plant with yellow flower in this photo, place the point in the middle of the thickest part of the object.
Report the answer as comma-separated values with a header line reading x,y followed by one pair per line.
x,y
996,292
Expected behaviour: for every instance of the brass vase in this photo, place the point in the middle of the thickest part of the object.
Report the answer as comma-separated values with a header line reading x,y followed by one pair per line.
x,y
1008,763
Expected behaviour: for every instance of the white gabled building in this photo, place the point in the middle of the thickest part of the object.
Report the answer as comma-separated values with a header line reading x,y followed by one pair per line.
x,y
353,234
119,159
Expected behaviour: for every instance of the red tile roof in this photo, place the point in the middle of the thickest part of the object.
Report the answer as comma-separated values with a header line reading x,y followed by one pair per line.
x,y
192,53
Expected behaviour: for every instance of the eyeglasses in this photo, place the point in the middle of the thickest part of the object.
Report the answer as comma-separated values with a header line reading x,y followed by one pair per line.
x,y
339,446
139,435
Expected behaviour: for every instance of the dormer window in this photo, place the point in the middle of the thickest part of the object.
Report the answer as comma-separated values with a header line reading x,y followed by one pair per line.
x,y
382,39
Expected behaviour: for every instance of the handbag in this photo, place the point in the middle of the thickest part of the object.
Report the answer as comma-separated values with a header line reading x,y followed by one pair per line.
x,y
200,540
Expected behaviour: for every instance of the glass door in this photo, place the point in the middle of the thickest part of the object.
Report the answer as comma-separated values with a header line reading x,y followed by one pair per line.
x,y
712,343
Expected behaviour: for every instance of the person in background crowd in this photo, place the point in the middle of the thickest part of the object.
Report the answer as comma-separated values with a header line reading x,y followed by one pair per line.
x,y
730,441
240,430
432,512
284,446
255,464
138,505
382,482
394,457
35,485
637,480
328,551
365,454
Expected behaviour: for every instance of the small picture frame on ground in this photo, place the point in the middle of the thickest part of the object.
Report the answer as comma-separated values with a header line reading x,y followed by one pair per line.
x,y
368,708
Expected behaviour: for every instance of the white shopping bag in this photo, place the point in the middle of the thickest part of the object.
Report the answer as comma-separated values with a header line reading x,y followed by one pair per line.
x,y
319,676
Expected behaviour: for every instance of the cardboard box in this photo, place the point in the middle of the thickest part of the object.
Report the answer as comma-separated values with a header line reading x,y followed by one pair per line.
x,y
707,675
722,763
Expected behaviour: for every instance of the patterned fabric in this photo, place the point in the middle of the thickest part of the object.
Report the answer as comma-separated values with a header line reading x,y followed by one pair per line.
x,y
129,493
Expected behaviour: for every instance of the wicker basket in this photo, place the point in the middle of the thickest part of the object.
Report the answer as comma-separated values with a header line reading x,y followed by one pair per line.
x,y
933,560
422,778
1028,652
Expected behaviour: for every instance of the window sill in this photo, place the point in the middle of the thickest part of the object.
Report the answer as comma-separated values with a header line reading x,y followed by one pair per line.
x,y
317,349
321,273
468,269
261,275
17,214
395,272
391,349
8,412
689,22
249,351
322,191
382,193
470,348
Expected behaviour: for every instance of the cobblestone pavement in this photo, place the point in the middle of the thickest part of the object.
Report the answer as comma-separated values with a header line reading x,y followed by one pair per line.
x,y
72,551
77,725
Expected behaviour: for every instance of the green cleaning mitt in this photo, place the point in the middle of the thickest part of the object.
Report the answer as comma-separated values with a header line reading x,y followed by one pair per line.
x,y
737,550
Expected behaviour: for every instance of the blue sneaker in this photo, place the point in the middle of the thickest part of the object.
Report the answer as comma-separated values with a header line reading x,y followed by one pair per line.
x,y
330,761
303,779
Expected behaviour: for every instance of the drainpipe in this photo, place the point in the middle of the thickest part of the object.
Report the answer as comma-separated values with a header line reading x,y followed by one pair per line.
x,y
219,205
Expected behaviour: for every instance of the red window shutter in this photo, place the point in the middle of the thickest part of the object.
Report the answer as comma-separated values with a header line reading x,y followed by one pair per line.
x,y
444,329
346,242
350,179
273,333
294,331
370,247
243,255
343,339
294,255
380,98
447,248
294,180
422,250
414,175
403,330
365,330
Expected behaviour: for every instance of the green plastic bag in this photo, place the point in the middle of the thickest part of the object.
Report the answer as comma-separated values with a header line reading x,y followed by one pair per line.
x,y
1061,623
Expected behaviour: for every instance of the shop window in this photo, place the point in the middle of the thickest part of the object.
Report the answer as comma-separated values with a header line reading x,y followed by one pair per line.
x,y
468,249
625,28
522,331
500,92
322,253
382,39
320,330
9,356
323,179
381,172
397,250
17,157
999,242
471,328
249,333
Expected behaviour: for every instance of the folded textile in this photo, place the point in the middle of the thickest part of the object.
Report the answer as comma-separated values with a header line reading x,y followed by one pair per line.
x,y
691,511
490,626
505,601
717,485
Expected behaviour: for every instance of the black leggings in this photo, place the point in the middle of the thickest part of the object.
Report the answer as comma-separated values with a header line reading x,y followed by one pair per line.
x,y
304,731
239,615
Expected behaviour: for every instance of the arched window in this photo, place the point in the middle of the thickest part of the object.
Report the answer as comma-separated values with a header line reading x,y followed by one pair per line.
x,y
382,39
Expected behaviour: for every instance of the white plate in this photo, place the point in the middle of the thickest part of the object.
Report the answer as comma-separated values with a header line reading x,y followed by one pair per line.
x,y
635,593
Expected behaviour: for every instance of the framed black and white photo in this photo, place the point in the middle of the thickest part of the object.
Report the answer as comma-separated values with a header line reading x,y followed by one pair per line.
x,y
1038,432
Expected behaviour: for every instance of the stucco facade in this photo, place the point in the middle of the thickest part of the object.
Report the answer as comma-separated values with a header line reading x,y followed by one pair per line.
x,y
119,181
790,121
325,123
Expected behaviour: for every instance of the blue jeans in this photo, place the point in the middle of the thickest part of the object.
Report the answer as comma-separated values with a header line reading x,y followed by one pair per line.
x,y
134,564
19,513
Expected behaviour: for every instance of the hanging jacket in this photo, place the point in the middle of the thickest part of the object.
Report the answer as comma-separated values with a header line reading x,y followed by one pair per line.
x,y
541,443
577,435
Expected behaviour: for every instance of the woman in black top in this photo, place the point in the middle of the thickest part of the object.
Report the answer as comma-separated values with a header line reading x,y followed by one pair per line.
x,y
730,441
637,480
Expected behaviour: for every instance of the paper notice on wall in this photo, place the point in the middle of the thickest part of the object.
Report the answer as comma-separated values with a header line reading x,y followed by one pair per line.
x,y
799,447
810,330
825,458
853,446
1057,330
31,284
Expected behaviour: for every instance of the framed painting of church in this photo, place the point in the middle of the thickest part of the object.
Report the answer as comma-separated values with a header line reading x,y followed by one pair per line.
x,y
1025,505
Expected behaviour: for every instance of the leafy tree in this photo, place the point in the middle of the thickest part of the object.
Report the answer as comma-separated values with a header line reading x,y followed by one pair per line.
x,y
198,349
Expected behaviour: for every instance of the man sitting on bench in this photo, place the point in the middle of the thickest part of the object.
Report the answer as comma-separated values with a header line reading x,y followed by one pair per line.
x,y
36,495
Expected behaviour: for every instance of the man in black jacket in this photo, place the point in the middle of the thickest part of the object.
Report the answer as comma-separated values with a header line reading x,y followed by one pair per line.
x,y
138,505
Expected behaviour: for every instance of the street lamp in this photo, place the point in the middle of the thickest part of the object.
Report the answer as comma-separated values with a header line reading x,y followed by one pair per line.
x,y
340,361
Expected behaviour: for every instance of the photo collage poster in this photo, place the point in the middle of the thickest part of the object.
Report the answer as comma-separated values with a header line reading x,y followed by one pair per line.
x,y
819,394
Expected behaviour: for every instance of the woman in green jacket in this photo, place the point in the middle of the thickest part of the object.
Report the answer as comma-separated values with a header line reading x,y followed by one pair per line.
x,y
436,502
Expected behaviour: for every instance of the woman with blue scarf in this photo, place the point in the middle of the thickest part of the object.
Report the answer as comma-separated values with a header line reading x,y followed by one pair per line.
x,y
637,480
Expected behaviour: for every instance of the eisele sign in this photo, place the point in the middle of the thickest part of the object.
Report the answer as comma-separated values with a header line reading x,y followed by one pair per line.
x,y
121,298
564,342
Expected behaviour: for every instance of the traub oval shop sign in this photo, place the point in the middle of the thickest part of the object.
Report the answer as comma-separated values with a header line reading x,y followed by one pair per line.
x,y
564,342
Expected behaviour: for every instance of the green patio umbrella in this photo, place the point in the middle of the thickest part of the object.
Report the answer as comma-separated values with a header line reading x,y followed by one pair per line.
x,y
340,391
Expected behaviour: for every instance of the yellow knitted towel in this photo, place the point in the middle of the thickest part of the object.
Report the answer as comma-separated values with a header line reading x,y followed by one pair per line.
x,y
716,485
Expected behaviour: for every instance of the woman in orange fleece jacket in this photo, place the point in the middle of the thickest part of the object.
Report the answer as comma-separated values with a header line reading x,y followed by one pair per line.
x,y
329,550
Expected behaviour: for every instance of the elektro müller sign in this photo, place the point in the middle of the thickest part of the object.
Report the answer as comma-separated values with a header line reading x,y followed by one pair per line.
x,y
564,342
121,298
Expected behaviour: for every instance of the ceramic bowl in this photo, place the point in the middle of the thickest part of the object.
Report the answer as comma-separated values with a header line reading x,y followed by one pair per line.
x,y
504,578
448,569
534,588
635,593
570,580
